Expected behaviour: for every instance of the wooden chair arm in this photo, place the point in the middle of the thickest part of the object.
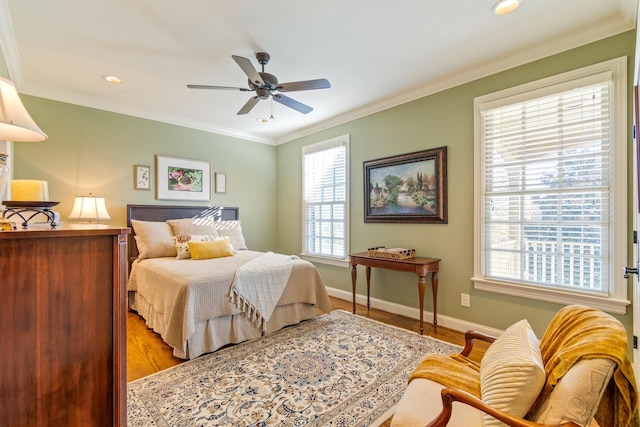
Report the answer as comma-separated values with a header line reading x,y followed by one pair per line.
x,y
449,395
469,336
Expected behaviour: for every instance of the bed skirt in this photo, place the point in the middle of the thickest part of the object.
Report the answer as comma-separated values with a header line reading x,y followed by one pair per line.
x,y
212,334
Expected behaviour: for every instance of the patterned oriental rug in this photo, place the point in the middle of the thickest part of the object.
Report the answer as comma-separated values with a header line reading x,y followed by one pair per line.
x,y
339,369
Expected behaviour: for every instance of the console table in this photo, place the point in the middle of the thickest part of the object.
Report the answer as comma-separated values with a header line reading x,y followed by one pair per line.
x,y
418,265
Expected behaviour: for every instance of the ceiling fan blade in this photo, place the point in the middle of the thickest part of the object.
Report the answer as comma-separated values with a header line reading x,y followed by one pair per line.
x,y
218,87
304,85
292,103
249,70
249,105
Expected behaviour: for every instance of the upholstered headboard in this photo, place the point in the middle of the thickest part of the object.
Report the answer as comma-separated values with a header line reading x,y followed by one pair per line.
x,y
163,213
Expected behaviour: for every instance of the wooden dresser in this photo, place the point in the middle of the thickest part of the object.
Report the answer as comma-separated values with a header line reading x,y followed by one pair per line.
x,y
63,326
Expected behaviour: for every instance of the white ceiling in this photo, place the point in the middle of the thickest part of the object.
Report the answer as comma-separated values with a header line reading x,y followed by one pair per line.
x,y
375,53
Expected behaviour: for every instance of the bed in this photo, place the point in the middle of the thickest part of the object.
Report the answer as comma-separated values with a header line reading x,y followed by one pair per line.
x,y
187,300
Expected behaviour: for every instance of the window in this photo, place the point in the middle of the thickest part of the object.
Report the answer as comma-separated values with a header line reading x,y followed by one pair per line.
x,y
551,189
325,212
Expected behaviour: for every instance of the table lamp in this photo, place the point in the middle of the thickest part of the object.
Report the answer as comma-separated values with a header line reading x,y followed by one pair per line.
x,y
89,208
15,125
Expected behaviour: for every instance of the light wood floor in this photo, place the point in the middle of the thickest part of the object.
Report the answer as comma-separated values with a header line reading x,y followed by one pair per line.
x,y
147,353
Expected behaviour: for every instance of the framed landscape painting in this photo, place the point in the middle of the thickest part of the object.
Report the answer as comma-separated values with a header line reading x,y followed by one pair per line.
x,y
409,188
182,179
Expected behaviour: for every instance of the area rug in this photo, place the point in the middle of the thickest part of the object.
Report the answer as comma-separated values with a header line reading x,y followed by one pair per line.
x,y
339,369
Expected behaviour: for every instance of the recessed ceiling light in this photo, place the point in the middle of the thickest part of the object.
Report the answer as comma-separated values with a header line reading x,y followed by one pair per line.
x,y
112,79
505,7
262,119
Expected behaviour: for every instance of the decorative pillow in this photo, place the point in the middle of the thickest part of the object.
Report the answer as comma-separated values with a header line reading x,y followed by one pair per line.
x,y
233,230
181,243
211,249
193,226
154,239
511,372
577,395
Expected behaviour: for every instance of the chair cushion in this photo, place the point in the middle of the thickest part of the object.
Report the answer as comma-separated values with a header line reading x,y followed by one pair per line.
x,y
577,394
511,372
421,403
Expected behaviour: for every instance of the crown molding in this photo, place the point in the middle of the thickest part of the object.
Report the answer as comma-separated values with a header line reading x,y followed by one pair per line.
x,y
583,36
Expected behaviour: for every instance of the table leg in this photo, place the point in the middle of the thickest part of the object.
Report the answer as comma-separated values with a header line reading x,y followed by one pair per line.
x,y
421,286
368,286
434,290
354,275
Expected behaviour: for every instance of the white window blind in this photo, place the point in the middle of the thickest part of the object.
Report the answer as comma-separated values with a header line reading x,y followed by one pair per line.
x,y
325,198
550,219
547,185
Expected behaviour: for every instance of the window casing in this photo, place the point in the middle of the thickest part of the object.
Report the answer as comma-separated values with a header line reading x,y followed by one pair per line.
x,y
550,197
325,210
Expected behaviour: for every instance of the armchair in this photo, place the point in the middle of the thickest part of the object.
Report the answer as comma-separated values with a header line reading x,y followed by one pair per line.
x,y
577,373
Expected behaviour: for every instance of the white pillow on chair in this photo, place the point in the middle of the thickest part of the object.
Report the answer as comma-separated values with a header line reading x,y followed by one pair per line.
x,y
511,372
577,394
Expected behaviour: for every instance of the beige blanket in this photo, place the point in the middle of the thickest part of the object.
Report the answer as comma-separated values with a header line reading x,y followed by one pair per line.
x,y
184,291
258,285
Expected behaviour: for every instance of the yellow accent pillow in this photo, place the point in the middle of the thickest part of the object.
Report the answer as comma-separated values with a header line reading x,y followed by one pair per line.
x,y
210,249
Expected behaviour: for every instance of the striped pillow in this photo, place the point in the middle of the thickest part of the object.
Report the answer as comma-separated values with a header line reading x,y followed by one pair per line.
x,y
511,372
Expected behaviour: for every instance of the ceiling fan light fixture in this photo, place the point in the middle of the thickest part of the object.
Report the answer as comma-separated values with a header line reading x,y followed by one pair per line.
x,y
112,79
505,7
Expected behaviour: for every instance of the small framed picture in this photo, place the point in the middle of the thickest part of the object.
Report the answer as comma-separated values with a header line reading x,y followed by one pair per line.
x,y
221,182
141,177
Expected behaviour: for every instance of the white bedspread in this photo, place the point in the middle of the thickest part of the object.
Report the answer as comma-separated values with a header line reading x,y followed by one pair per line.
x,y
258,285
184,292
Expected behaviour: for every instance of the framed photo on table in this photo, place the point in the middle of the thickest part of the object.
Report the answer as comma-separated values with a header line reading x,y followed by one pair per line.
x,y
409,188
182,179
141,177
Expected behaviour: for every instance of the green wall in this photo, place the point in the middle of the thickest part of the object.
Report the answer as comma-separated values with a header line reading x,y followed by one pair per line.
x,y
441,119
91,150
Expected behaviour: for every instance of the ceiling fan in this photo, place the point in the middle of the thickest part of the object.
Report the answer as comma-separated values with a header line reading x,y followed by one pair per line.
x,y
265,84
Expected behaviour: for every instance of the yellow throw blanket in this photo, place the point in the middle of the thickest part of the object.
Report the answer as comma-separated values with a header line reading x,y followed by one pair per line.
x,y
578,332
454,370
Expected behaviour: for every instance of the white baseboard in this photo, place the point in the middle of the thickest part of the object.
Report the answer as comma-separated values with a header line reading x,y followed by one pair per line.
x,y
414,313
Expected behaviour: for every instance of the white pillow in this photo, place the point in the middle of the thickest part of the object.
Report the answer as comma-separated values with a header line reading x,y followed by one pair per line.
x,y
577,395
233,230
193,226
182,243
511,372
154,239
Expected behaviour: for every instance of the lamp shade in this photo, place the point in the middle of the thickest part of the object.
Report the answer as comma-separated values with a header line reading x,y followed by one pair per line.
x,y
15,122
89,208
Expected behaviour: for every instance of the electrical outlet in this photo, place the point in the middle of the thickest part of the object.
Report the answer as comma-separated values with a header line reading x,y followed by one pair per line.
x,y
465,300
